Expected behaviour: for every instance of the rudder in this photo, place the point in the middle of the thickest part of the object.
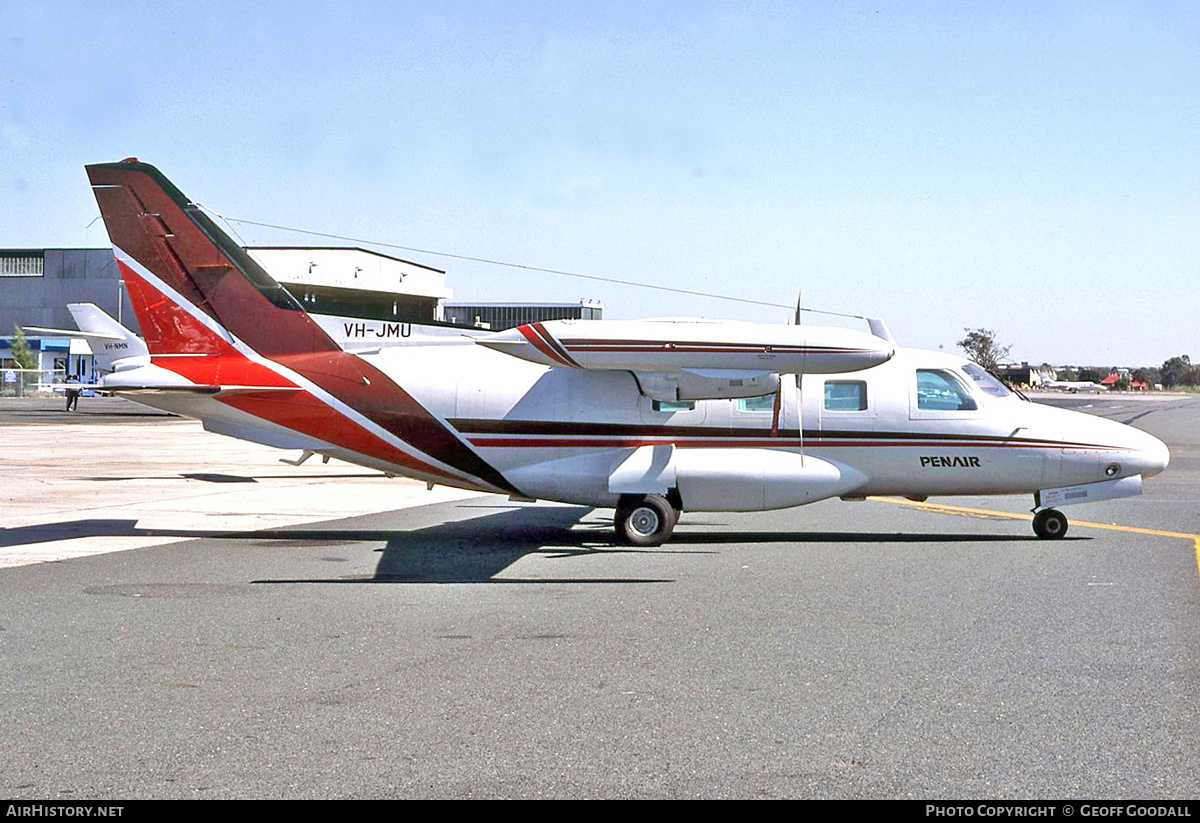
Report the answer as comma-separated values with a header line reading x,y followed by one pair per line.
x,y
155,225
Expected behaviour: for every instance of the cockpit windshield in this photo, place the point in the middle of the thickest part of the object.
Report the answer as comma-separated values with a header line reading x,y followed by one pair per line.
x,y
940,390
986,380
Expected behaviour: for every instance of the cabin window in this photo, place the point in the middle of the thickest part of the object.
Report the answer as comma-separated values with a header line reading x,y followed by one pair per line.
x,y
940,390
670,406
845,395
991,385
766,403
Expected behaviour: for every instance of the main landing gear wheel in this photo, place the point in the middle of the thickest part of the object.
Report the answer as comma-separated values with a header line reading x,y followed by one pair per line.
x,y
1050,524
644,520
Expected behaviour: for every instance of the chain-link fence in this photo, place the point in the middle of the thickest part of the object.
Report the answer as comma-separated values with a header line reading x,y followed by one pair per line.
x,y
30,382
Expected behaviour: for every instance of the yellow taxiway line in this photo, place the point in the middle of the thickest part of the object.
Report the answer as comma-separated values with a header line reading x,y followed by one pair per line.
x,y
989,514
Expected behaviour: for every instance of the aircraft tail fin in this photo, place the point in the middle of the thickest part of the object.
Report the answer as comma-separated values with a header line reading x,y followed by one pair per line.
x,y
113,345
168,248
216,323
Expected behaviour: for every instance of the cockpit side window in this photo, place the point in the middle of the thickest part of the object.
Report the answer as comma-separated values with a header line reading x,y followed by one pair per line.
x,y
990,384
940,390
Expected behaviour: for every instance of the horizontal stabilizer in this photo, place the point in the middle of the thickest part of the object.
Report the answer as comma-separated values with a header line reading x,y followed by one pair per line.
x,y
214,391
86,335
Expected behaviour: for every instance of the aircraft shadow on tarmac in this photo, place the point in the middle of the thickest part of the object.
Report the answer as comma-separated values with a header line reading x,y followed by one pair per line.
x,y
211,477
700,538
480,549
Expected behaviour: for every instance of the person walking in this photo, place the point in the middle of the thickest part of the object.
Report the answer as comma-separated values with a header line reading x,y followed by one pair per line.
x,y
72,393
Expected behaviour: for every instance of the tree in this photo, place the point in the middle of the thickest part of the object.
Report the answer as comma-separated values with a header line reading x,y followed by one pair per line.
x,y
1174,371
25,357
980,345
22,352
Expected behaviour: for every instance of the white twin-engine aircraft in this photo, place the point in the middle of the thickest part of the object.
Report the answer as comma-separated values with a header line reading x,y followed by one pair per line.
x,y
650,417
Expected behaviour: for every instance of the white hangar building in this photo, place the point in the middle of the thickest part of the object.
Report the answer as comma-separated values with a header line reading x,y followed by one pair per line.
x,y
37,284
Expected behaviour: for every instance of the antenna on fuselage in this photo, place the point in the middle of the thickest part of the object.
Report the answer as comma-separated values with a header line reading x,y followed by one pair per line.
x,y
799,390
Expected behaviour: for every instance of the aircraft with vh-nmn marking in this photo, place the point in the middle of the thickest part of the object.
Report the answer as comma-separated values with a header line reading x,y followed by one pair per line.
x,y
651,417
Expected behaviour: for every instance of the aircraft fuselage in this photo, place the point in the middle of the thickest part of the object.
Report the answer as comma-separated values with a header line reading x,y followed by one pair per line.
x,y
651,417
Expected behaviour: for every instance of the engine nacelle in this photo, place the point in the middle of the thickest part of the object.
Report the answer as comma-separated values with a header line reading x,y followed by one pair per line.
x,y
746,480
706,384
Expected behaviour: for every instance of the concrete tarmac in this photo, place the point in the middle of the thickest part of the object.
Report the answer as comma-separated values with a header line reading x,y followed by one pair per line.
x,y
255,632
115,475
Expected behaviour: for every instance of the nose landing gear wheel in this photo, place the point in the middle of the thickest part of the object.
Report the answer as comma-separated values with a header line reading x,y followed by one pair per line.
x,y
644,520
1050,524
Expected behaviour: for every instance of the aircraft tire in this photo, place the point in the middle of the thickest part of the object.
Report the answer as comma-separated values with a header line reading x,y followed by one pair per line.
x,y
644,520
1050,524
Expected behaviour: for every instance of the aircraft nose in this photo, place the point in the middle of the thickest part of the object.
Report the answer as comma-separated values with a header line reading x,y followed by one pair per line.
x,y
1144,454
1154,455
1100,449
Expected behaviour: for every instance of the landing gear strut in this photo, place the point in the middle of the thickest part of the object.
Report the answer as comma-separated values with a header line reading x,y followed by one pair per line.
x,y
1050,524
644,520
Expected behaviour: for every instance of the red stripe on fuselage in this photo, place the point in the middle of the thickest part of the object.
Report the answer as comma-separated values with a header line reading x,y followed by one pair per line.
x,y
309,415
583,433
486,433
719,441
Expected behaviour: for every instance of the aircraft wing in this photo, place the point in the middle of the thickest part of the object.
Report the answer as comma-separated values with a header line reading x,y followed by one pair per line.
x,y
671,345
682,360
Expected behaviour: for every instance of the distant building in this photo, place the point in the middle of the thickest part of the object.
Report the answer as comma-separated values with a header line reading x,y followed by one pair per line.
x,y
1026,376
35,287
37,284
500,316
1116,377
357,283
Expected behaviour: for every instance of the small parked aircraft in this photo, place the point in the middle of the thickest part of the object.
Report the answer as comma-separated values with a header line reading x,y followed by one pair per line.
x,y
650,417
1073,386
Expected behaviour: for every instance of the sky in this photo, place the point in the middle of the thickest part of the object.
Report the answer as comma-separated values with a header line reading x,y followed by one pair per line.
x,y
1031,168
